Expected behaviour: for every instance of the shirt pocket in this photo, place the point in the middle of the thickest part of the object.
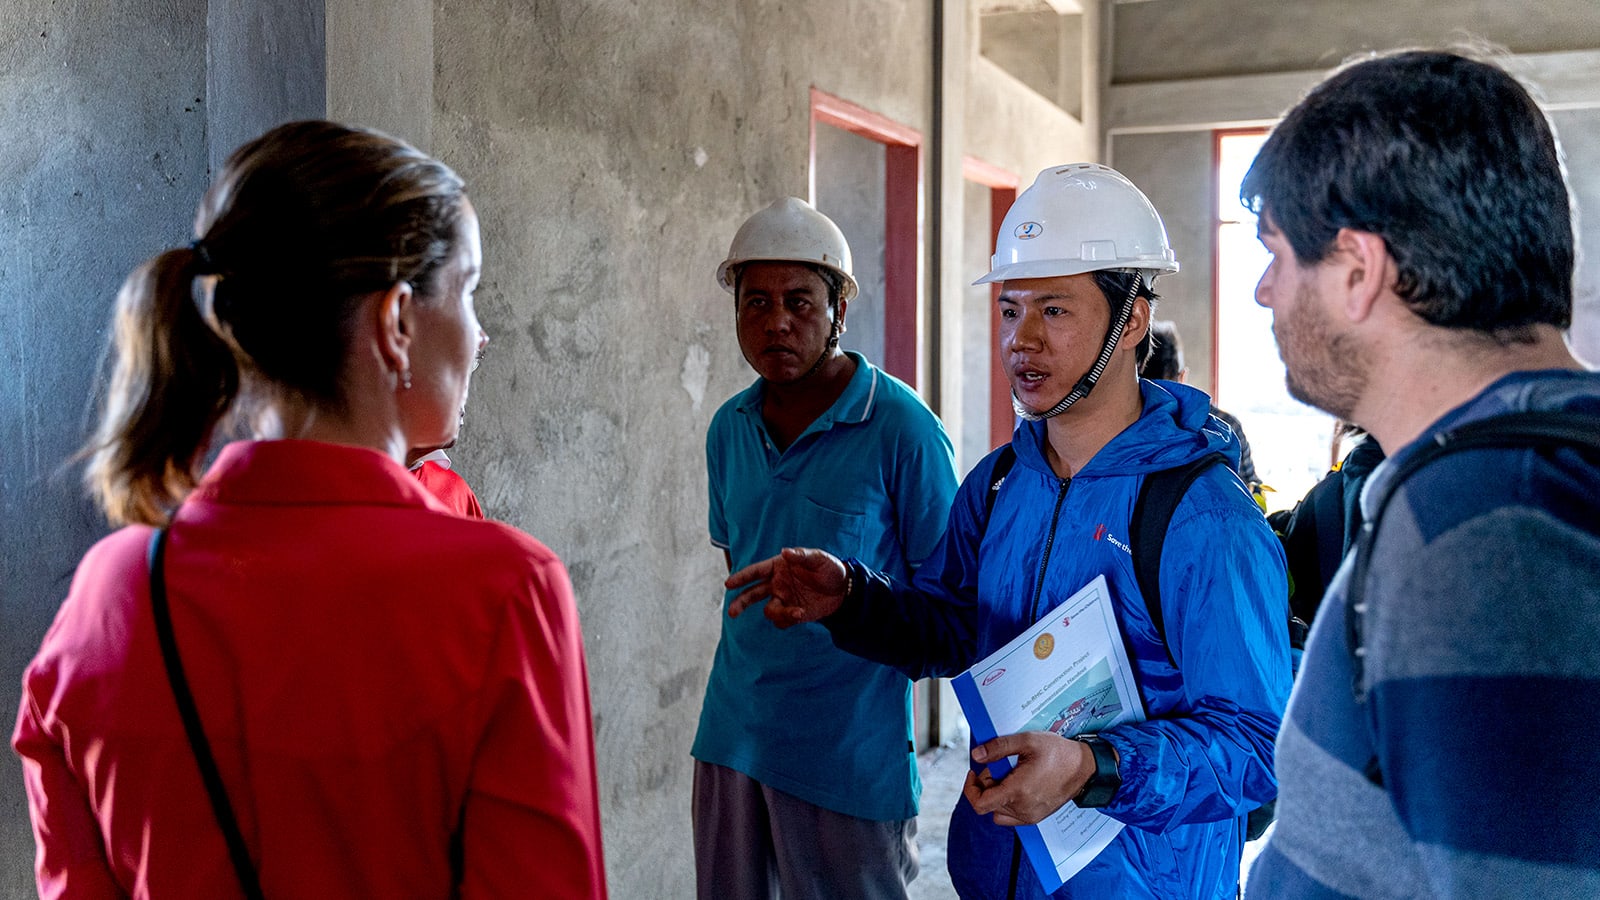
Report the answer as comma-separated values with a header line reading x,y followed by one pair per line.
x,y
838,531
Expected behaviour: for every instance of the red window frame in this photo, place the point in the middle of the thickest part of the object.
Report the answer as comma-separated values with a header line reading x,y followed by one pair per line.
x,y
902,253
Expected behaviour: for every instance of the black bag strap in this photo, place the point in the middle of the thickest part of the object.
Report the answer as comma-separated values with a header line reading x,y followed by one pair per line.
x,y
220,807
1327,506
997,477
1158,499
1521,429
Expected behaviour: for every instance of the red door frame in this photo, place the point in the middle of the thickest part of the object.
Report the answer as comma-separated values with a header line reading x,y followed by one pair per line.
x,y
1002,187
902,245
1216,251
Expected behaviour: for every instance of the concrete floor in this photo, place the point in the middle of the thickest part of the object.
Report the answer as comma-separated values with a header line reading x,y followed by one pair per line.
x,y
944,769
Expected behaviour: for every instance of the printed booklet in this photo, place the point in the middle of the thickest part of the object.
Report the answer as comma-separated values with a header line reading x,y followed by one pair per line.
x,y
1067,674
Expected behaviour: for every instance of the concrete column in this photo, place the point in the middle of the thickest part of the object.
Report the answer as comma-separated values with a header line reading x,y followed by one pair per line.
x,y
264,66
379,59
958,47
1097,58
1069,56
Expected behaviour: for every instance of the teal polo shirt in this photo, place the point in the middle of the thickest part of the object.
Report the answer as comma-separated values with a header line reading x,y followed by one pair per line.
x,y
872,478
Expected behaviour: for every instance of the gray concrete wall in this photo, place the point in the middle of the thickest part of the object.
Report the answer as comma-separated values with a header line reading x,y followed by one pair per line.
x,y
378,56
1041,49
977,343
1011,126
264,64
612,152
1579,132
103,155
1174,171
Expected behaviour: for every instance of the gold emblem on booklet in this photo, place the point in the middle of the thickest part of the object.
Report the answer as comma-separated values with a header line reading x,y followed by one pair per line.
x,y
1044,646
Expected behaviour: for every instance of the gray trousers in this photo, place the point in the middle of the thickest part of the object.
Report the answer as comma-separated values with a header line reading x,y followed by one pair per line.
x,y
752,842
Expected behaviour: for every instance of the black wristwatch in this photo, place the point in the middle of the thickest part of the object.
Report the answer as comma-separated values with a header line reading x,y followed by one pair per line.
x,y
1103,784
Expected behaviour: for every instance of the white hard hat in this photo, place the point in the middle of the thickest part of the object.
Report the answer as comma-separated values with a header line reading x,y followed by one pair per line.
x,y
790,230
1080,218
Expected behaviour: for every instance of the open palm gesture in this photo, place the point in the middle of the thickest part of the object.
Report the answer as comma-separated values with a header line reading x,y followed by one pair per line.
x,y
799,585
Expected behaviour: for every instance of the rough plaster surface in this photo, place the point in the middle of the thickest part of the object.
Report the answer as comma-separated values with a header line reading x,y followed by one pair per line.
x,y
1579,133
1031,46
379,62
1011,126
265,64
102,169
977,344
1174,171
1314,34
611,159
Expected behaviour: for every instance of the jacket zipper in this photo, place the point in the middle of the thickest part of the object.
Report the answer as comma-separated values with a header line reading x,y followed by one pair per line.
x,y
1049,541
1038,591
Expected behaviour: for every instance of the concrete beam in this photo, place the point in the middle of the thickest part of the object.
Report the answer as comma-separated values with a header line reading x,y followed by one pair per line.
x,y
1568,80
1061,7
1094,54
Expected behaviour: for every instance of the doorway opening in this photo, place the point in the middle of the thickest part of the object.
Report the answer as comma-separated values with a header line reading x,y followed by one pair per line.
x,y
866,175
986,415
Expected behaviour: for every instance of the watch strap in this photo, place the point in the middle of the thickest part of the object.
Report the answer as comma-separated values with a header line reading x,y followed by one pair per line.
x,y
1103,784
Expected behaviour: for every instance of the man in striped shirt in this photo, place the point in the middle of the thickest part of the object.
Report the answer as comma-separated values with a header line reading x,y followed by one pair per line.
x,y
1444,736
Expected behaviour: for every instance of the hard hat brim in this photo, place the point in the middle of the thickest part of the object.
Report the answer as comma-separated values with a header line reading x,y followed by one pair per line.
x,y
1056,268
725,272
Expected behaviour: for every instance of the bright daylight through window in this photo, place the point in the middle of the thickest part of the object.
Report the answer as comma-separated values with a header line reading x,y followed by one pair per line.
x,y
1290,441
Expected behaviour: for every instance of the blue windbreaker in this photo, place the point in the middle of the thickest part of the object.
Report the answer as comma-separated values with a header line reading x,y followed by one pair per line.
x,y
1203,758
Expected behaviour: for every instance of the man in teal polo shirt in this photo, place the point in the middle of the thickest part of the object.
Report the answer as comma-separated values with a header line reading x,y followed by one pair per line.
x,y
805,774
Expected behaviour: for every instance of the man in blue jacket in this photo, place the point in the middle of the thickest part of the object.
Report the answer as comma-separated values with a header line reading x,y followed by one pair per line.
x,y
1077,255
1444,740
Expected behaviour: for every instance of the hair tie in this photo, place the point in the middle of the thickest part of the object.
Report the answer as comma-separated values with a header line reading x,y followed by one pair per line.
x,y
202,256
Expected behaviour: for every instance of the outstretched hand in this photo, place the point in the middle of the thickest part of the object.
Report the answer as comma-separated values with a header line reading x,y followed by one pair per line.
x,y
799,585
1050,771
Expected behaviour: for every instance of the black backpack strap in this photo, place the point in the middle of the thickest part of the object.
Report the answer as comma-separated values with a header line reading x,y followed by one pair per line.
x,y
1158,499
1327,506
1521,429
220,807
997,477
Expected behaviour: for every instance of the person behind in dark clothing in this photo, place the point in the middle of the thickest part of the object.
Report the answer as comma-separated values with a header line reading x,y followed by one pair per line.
x,y
1166,363
1321,528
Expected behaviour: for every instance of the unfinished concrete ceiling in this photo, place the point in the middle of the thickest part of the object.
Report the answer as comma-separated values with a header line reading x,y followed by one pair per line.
x,y
1166,41
1059,7
1038,45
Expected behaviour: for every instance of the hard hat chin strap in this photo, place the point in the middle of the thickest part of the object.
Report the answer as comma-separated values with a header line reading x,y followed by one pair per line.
x,y
827,351
1091,377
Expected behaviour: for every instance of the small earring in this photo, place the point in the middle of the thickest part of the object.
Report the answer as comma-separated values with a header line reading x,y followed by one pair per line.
x,y
405,380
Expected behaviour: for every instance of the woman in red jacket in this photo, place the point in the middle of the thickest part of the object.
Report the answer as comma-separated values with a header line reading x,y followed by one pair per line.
x,y
391,700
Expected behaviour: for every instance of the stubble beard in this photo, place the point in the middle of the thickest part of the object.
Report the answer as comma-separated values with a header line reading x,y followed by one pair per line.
x,y
1323,368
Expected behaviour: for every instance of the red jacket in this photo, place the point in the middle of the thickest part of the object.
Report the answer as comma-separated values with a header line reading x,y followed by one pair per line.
x,y
373,674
